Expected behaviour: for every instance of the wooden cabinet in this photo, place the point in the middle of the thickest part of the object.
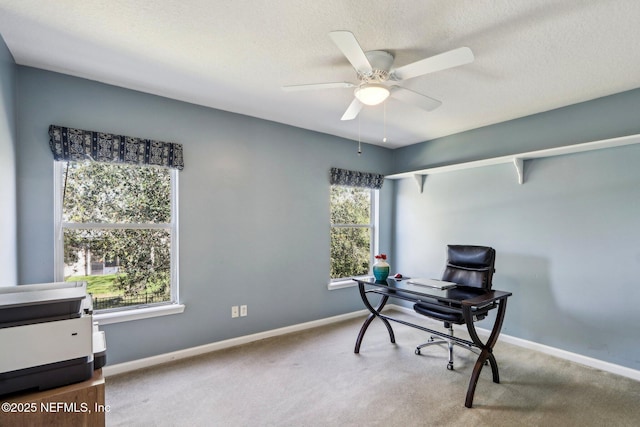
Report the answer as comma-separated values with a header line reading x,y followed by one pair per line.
x,y
80,404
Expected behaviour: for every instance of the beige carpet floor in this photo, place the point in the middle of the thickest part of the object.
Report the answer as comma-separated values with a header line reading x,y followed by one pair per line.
x,y
313,378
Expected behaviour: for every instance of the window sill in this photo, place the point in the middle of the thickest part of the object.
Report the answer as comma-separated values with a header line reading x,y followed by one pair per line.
x,y
137,314
341,284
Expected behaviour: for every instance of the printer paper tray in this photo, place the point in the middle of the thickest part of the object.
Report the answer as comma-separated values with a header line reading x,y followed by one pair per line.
x,y
46,376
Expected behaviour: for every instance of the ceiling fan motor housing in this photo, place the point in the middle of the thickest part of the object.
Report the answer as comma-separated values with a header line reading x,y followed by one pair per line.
x,y
381,62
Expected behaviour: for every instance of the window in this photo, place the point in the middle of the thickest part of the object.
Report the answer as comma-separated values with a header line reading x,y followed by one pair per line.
x,y
116,229
353,231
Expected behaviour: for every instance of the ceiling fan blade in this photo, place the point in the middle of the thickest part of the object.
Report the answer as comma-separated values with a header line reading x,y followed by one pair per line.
x,y
414,98
314,86
450,59
347,43
353,110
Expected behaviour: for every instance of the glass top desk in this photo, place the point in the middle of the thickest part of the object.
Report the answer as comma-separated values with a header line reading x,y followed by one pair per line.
x,y
465,301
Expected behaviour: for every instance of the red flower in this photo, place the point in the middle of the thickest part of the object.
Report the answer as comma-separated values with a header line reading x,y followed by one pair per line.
x,y
381,256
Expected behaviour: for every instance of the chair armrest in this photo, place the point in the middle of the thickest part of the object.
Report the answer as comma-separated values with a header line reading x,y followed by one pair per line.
x,y
486,298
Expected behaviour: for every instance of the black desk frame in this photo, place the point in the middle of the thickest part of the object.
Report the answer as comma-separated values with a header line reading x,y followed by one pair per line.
x,y
392,288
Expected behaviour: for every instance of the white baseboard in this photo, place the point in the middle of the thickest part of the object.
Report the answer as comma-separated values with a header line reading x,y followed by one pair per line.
x,y
195,351
573,357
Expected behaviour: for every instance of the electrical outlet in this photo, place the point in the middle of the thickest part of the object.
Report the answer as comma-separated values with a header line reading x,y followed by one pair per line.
x,y
234,311
243,310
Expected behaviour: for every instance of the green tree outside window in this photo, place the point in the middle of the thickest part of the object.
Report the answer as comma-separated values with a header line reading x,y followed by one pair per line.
x,y
351,231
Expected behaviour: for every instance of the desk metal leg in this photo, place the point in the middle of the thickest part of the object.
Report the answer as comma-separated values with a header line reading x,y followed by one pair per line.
x,y
375,312
486,352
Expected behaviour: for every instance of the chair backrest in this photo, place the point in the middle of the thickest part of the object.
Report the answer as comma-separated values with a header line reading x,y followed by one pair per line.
x,y
470,266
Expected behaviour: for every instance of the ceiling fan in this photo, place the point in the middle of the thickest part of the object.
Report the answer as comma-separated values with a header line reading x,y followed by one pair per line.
x,y
374,72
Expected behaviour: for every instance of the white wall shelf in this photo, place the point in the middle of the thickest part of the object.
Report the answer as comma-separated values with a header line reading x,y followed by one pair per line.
x,y
518,160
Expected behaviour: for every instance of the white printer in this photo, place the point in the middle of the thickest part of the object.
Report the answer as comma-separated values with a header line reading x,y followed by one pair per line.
x,y
47,336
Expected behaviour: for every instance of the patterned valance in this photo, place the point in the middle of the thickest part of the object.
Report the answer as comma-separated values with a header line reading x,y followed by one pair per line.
x,y
356,179
79,145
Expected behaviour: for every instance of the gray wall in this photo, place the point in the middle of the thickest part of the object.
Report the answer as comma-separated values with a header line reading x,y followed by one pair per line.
x,y
254,209
8,242
566,240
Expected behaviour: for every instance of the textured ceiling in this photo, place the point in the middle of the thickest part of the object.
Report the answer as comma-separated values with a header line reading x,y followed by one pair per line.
x,y
530,56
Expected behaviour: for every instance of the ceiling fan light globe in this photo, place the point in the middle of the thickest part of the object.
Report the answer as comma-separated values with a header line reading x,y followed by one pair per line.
x,y
371,94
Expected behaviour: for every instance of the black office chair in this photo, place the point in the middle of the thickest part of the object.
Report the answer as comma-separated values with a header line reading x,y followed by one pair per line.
x,y
472,268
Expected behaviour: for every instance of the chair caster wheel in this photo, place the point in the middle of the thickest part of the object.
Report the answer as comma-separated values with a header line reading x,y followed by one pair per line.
x,y
450,366
418,351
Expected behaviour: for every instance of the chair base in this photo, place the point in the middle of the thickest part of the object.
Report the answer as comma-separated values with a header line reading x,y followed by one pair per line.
x,y
434,340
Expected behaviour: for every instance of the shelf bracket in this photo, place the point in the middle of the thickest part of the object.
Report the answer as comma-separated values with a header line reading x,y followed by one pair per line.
x,y
519,164
420,180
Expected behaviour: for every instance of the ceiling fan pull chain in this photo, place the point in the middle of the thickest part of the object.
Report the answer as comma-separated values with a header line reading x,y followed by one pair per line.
x,y
359,142
384,120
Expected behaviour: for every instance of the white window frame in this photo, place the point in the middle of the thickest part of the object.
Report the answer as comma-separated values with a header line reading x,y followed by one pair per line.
x,y
124,314
344,282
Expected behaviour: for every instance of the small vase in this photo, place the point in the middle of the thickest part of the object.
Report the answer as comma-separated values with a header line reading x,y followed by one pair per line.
x,y
381,270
